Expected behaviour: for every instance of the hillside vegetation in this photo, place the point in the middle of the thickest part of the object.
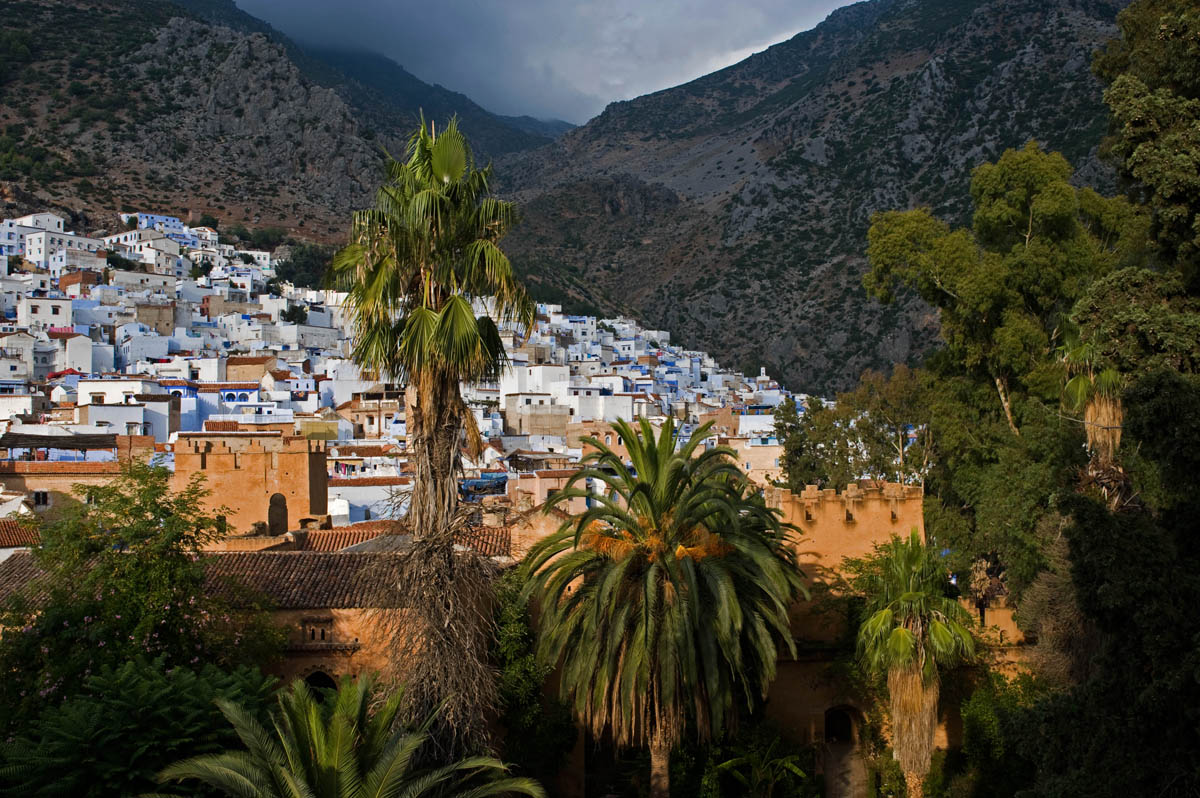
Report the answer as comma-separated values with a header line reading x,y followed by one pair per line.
x,y
732,209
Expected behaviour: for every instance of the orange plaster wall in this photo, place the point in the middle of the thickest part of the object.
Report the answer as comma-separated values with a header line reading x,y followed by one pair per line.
x,y
243,472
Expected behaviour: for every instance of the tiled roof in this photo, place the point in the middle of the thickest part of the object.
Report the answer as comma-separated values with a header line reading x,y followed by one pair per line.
x,y
282,374
309,579
367,482
58,467
244,360
221,426
339,538
15,573
558,472
365,451
490,541
13,534
289,580
215,387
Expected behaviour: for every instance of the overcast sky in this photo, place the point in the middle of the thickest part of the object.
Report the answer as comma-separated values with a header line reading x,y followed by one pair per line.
x,y
561,59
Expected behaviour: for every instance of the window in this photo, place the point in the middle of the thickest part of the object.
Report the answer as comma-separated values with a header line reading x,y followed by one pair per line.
x,y
41,498
54,309
33,309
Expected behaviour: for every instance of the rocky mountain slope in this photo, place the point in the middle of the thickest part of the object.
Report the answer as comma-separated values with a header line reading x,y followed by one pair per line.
x,y
195,107
733,210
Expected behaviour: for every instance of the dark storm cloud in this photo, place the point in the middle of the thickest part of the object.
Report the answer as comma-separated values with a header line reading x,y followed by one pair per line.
x,y
549,58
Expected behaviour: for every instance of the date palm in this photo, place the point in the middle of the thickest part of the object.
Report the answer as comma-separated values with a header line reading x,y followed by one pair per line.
x,y
667,600
338,748
416,265
912,630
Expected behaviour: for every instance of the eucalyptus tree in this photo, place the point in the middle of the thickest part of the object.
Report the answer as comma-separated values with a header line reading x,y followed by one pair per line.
x,y
912,630
666,601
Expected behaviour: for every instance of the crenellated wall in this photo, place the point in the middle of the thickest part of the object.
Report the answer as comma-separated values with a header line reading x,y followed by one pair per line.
x,y
849,523
244,470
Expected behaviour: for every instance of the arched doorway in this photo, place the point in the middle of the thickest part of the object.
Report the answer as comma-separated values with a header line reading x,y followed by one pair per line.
x,y
277,515
839,725
845,771
318,681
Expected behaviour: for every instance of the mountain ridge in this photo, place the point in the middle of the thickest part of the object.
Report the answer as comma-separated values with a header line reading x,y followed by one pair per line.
x,y
194,107
733,209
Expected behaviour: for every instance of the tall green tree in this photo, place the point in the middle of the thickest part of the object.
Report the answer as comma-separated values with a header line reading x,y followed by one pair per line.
x,y
418,265
666,602
123,580
1153,72
335,746
1004,288
912,630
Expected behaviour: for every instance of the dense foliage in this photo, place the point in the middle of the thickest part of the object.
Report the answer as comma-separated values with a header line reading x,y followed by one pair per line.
x,y
306,265
127,723
880,430
666,602
122,582
1154,94
339,745
538,729
1065,409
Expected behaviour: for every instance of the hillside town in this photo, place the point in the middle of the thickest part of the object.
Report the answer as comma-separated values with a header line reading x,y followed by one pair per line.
x,y
186,352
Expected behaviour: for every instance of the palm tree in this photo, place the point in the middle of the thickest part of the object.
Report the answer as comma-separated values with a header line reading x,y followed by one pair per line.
x,y
668,598
1096,391
760,770
338,748
419,264
912,630
416,264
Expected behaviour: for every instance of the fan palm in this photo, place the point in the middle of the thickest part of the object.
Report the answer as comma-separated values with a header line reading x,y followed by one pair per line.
x,y
668,598
912,630
1096,391
338,748
416,267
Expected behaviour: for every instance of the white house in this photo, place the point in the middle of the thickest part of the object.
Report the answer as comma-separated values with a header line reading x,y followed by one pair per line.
x,y
39,313
41,245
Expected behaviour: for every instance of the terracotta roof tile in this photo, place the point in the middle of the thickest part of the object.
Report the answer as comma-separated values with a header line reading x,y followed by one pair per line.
x,y
246,360
221,426
13,533
289,580
490,541
367,482
383,450
339,538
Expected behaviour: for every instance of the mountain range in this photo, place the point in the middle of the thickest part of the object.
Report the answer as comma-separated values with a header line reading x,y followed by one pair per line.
x,y
194,106
731,210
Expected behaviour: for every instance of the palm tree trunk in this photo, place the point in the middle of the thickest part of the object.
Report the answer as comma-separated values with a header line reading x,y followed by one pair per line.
x,y
660,768
915,783
436,431
913,703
